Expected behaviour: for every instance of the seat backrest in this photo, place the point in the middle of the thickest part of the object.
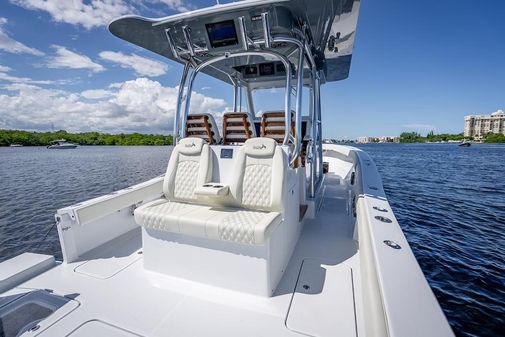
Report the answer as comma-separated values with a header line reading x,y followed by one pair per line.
x,y
238,127
203,126
273,125
190,166
258,177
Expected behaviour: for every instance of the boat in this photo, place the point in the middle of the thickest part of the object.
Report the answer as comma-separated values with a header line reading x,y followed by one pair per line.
x,y
61,144
256,228
15,145
465,143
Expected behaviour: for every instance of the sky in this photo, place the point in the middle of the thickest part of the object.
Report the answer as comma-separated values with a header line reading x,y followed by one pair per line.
x,y
417,66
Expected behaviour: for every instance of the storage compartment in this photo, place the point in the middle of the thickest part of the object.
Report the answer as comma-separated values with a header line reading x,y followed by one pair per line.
x,y
30,311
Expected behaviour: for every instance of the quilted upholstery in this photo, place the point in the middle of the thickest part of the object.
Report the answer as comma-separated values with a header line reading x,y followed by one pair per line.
x,y
162,214
185,179
190,166
248,227
257,185
227,224
258,181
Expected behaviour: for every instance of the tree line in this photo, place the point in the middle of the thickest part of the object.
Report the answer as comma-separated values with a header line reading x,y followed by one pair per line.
x,y
29,138
414,137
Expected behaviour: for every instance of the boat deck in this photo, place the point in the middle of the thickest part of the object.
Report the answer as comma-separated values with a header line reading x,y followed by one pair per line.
x,y
318,295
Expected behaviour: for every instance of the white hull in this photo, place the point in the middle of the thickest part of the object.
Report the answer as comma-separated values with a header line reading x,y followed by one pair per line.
x,y
62,147
341,280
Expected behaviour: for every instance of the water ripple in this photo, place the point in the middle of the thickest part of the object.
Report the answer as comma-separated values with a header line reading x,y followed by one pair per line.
x,y
450,204
449,201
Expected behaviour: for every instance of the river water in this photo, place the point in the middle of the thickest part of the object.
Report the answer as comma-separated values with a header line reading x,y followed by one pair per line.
x,y
450,202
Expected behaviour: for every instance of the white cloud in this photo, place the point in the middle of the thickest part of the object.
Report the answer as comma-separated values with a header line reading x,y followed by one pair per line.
x,y
143,66
178,5
93,14
65,58
26,80
4,69
96,94
140,105
10,45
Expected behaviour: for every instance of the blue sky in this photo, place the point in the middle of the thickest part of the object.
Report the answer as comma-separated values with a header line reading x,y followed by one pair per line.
x,y
417,66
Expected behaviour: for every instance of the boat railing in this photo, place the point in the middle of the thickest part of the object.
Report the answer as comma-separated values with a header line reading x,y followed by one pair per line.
x,y
188,52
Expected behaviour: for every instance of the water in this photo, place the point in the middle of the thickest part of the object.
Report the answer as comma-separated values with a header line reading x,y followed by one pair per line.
x,y
450,202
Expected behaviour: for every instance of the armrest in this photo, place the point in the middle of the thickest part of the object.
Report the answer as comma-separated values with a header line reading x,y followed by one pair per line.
x,y
212,190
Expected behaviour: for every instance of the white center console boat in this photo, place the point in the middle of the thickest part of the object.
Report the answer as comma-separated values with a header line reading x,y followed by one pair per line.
x,y
257,228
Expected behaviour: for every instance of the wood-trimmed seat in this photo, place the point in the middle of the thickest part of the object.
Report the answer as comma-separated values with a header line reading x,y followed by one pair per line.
x,y
203,126
273,125
238,127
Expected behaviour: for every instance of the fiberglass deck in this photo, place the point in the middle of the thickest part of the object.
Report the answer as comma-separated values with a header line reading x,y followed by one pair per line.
x,y
317,295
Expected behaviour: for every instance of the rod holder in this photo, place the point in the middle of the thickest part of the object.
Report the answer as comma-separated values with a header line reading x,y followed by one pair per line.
x,y
171,44
266,29
185,31
243,33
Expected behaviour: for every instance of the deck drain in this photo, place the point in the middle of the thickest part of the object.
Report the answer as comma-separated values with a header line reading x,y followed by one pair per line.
x,y
392,244
34,328
380,209
383,219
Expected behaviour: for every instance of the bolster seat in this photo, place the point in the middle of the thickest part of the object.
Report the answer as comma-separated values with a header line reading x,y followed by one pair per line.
x,y
190,165
256,198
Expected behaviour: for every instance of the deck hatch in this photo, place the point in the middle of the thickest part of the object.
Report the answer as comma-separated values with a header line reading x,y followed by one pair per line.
x,y
323,301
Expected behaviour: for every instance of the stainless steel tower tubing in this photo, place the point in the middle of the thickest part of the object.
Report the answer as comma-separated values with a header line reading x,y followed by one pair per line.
x,y
180,95
283,59
298,116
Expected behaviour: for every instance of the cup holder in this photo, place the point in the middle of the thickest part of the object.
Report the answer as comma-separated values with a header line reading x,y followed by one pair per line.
x,y
213,185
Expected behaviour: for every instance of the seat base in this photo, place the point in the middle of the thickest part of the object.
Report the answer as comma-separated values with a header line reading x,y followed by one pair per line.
x,y
254,269
218,223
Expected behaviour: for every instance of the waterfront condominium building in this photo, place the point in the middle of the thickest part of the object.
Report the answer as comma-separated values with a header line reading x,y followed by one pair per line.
x,y
478,125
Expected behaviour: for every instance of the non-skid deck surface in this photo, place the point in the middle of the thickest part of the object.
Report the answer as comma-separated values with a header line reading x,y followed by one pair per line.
x,y
114,291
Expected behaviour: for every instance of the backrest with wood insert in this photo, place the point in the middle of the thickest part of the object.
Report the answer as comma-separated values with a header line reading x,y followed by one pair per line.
x,y
203,126
238,127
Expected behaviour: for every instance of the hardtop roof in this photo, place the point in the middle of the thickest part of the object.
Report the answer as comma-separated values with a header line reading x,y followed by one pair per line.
x,y
330,24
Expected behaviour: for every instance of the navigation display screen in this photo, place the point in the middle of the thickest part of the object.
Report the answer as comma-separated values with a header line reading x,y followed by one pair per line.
x,y
222,34
266,69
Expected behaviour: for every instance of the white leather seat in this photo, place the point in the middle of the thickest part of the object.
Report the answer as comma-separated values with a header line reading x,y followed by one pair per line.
x,y
190,165
256,197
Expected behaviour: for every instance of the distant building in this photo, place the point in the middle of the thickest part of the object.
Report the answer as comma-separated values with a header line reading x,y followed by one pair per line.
x,y
364,140
383,139
478,125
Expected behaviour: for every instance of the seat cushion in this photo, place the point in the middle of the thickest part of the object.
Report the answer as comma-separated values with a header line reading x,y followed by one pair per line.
x,y
223,223
163,215
243,226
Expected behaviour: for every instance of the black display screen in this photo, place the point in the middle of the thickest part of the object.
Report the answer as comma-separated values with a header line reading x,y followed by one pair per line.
x,y
227,153
267,69
251,70
222,34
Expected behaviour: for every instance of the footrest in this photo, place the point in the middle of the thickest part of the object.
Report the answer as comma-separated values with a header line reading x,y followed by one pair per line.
x,y
22,268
